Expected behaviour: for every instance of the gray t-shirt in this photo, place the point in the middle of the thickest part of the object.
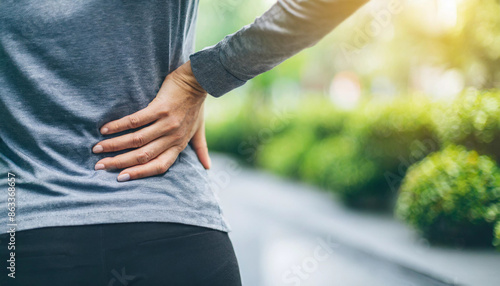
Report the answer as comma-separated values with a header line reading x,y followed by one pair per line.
x,y
69,66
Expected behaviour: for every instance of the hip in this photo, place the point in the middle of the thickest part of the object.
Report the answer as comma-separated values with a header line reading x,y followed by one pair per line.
x,y
148,253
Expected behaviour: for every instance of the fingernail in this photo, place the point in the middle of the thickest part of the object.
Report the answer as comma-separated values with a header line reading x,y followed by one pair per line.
x,y
209,163
123,177
99,167
104,130
97,149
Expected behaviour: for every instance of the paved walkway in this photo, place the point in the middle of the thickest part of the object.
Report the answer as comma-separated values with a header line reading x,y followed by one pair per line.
x,y
288,233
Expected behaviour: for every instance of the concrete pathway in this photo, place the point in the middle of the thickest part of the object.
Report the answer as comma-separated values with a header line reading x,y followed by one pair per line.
x,y
289,233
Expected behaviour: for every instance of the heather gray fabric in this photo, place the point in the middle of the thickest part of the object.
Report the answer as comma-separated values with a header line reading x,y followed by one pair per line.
x,y
69,66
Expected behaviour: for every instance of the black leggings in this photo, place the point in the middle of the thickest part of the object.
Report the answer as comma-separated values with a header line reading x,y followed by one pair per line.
x,y
122,254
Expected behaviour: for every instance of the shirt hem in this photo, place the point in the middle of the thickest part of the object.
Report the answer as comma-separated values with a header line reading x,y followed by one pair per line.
x,y
97,217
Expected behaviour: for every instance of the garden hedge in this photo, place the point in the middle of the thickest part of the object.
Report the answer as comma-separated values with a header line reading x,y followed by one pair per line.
x,y
450,196
336,164
285,152
362,155
389,138
471,120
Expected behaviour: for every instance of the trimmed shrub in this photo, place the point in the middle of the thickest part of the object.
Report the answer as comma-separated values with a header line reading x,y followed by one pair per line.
x,y
335,164
362,155
472,120
395,135
493,215
447,196
384,140
246,131
320,116
238,133
226,135
284,152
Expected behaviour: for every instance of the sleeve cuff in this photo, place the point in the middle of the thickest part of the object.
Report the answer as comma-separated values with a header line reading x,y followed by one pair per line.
x,y
211,73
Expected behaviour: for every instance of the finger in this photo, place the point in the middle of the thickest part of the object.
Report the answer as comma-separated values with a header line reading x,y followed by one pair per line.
x,y
199,144
131,140
155,167
136,157
134,120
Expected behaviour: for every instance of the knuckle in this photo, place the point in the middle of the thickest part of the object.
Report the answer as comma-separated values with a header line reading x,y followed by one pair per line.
x,y
118,164
116,126
110,146
139,173
163,113
175,124
133,121
178,149
138,140
144,157
168,129
161,168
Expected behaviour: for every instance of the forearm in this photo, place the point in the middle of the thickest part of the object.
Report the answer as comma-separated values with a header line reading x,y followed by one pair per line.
x,y
285,29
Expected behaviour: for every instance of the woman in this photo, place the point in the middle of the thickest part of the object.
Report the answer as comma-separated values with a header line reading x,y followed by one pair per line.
x,y
99,100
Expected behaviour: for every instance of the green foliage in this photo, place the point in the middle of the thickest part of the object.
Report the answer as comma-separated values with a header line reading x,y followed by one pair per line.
x,y
362,155
321,117
476,46
447,196
284,153
385,139
311,123
237,134
472,120
244,130
493,215
336,164
496,242
390,129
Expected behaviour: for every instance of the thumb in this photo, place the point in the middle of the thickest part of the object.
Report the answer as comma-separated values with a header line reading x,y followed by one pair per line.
x,y
199,144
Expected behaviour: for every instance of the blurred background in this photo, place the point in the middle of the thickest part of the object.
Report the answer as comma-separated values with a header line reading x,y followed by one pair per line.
x,y
370,158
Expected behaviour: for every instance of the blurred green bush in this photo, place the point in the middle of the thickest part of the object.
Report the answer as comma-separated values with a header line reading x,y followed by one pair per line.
x,y
448,196
472,120
496,242
235,132
365,159
337,164
285,152
389,137
493,214
363,155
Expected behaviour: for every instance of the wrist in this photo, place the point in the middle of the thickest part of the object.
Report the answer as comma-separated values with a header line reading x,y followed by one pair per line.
x,y
185,74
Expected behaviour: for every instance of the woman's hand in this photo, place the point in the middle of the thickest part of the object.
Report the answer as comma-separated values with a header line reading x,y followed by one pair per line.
x,y
177,116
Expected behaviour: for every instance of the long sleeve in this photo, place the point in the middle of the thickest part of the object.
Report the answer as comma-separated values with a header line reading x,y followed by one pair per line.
x,y
288,27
